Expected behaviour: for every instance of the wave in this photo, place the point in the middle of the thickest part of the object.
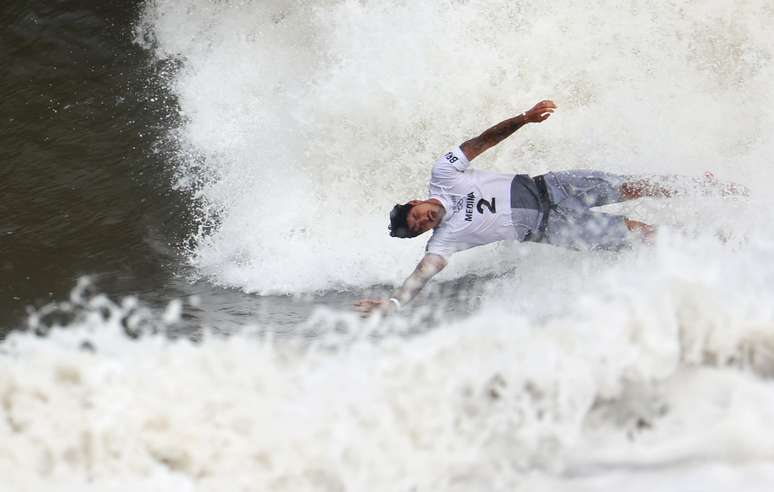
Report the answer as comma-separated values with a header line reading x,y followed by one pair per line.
x,y
301,125
305,122
663,380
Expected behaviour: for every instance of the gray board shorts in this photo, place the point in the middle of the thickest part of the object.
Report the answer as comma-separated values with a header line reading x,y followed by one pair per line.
x,y
571,223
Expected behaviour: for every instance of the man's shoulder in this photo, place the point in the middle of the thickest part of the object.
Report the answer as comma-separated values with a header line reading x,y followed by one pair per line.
x,y
442,241
451,162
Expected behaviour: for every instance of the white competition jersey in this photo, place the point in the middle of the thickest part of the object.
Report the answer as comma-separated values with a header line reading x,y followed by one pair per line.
x,y
477,203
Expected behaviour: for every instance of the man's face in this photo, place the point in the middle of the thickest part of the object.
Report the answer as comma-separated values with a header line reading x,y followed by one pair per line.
x,y
423,216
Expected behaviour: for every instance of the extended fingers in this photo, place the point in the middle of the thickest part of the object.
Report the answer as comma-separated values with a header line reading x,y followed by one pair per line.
x,y
735,189
541,111
364,313
366,305
709,177
545,105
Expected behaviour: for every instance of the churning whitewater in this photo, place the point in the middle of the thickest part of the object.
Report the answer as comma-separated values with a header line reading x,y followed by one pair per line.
x,y
302,124
309,121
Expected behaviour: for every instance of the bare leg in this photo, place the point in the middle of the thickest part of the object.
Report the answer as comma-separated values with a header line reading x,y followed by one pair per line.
x,y
645,187
670,186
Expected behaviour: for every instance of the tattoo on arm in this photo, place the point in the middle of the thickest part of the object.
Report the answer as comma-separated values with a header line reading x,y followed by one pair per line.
x,y
493,136
425,270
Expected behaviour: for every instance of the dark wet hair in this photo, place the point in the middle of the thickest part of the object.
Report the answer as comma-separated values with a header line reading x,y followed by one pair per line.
x,y
399,221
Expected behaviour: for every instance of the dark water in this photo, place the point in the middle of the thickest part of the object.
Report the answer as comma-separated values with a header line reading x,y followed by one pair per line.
x,y
86,166
86,171
82,193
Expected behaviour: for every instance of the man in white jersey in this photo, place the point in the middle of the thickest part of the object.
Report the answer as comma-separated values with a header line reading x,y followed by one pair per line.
x,y
469,207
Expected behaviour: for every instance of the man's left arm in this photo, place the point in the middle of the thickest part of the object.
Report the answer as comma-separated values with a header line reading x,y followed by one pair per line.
x,y
493,136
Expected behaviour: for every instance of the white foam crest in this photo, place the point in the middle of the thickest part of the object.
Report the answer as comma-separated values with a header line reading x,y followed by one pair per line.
x,y
311,120
633,376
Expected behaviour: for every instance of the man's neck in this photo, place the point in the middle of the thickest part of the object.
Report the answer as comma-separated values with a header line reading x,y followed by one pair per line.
x,y
443,216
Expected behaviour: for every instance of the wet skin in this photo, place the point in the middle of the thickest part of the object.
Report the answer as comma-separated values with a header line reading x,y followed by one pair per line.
x,y
424,215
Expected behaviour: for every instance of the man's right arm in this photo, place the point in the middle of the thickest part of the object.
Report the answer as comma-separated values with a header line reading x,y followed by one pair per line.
x,y
426,269
493,136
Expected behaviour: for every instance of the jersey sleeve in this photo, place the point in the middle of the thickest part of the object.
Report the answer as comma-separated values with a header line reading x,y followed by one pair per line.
x,y
446,173
451,163
441,244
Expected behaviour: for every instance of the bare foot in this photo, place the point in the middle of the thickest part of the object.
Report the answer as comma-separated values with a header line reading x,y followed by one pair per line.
x,y
725,189
647,232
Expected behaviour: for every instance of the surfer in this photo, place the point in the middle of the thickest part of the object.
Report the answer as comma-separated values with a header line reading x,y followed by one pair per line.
x,y
470,207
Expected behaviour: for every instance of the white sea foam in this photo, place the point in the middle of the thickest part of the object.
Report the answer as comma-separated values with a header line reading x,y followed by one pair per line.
x,y
646,369
310,120
662,381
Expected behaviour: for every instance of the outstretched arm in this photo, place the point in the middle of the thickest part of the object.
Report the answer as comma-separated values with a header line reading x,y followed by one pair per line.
x,y
493,136
428,266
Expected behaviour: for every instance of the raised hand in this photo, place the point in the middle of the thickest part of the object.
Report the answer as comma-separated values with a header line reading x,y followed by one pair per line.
x,y
540,112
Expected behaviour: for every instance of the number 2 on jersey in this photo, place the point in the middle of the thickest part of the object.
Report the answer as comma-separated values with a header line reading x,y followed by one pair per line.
x,y
484,203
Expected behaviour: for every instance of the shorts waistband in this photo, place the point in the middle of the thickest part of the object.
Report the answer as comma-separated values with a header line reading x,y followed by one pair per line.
x,y
545,208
